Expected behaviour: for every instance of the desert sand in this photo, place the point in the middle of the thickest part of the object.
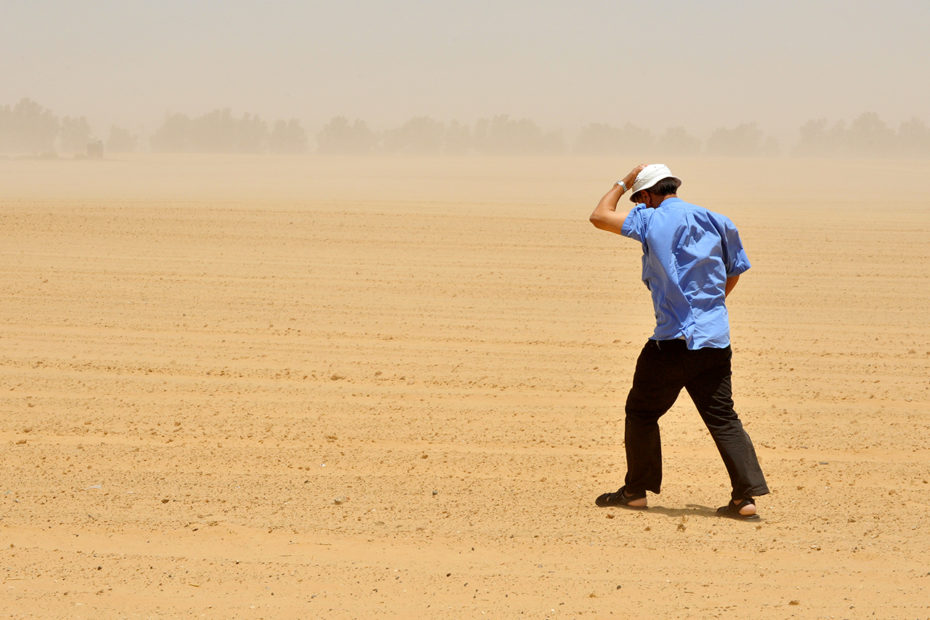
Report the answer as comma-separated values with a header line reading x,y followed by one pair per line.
x,y
345,388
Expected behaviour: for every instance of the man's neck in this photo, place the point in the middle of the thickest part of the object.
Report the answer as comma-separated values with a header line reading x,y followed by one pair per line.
x,y
654,202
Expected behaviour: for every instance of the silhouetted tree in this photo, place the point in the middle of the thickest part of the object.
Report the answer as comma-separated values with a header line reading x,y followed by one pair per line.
x,y
814,138
27,127
251,134
74,135
457,139
338,137
868,135
603,139
914,138
215,132
174,135
420,135
678,142
503,135
287,137
819,139
743,140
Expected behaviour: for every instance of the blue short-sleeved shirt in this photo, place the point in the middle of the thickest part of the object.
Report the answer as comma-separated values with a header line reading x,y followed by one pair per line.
x,y
688,254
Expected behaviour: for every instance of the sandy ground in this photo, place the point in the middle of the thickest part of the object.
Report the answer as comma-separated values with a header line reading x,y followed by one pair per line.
x,y
255,387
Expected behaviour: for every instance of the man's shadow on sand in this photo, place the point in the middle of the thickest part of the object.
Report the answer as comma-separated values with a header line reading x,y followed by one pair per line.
x,y
690,510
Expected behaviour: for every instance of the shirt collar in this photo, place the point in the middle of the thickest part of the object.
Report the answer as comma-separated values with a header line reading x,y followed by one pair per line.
x,y
669,200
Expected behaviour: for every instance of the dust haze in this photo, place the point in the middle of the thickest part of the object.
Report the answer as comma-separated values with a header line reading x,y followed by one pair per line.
x,y
302,314
719,78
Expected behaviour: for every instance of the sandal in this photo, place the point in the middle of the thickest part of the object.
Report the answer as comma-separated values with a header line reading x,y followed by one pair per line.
x,y
620,499
732,510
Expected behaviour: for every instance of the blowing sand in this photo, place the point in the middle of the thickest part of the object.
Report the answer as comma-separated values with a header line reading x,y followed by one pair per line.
x,y
254,387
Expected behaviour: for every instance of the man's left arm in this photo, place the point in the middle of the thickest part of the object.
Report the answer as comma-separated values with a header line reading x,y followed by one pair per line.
x,y
730,285
735,259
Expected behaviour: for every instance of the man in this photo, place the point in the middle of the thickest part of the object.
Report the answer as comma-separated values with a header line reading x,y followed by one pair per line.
x,y
692,259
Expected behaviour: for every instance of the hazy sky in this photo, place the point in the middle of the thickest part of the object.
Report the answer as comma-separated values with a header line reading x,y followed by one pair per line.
x,y
699,64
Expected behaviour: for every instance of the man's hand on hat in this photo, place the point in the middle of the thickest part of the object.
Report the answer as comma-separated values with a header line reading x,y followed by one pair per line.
x,y
630,178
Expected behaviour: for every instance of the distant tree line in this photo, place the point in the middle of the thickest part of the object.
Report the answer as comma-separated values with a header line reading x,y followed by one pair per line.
x,y
866,136
422,135
503,135
221,132
28,128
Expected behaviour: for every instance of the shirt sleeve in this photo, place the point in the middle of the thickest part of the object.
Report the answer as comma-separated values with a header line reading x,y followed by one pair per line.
x,y
634,226
734,256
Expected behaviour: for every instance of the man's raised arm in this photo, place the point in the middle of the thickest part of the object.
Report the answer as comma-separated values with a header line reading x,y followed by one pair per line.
x,y
605,215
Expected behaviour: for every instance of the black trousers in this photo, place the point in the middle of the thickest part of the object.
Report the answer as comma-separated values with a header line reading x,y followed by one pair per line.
x,y
663,368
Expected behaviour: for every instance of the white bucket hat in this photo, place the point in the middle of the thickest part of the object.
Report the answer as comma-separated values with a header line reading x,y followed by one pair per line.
x,y
649,176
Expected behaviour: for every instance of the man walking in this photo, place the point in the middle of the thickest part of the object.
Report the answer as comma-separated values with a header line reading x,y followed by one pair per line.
x,y
692,259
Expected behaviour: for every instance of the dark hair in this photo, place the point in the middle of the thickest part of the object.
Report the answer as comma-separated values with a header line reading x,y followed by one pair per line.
x,y
668,185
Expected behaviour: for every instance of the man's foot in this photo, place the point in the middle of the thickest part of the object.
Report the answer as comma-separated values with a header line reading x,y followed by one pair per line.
x,y
744,510
636,501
